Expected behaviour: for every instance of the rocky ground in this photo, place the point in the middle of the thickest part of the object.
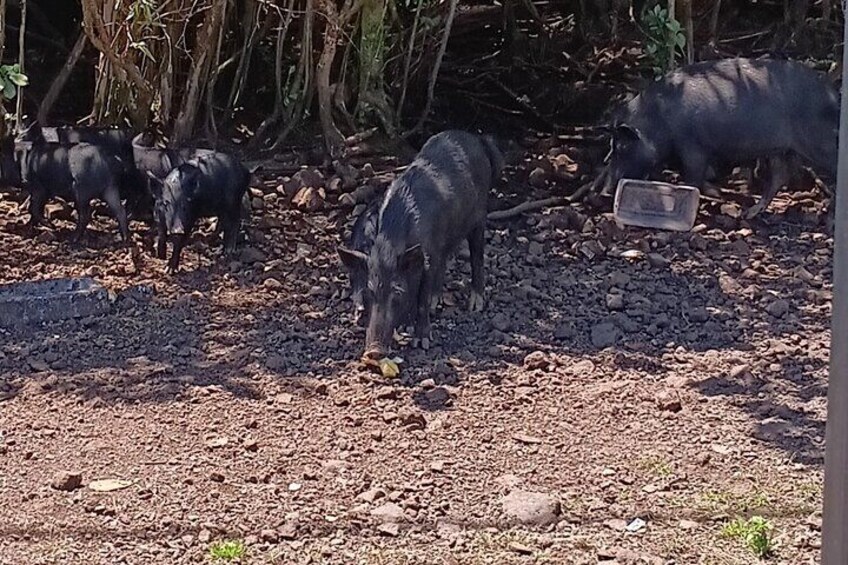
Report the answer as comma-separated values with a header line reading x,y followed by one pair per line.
x,y
626,394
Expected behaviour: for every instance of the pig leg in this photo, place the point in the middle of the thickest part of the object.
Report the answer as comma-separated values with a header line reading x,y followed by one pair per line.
x,y
778,177
437,273
423,330
230,227
694,167
161,237
113,199
180,241
37,200
83,218
476,243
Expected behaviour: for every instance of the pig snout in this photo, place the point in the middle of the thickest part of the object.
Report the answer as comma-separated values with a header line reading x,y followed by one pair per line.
x,y
375,351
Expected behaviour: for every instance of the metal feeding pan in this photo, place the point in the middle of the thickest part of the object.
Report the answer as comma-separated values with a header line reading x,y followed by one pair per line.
x,y
659,205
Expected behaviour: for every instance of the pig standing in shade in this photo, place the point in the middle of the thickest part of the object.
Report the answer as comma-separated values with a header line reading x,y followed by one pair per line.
x,y
728,112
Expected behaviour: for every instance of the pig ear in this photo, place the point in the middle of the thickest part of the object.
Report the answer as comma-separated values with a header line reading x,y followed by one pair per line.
x,y
352,259
412,257
624,135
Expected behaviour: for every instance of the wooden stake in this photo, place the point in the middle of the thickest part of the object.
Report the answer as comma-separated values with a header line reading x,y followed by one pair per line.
x,y
835,526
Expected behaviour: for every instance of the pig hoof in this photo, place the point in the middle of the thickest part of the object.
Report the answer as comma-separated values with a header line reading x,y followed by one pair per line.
x,y
476,302
421,343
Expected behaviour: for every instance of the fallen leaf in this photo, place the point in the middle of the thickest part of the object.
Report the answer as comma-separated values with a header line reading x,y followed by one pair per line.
x,y
109,485
389,368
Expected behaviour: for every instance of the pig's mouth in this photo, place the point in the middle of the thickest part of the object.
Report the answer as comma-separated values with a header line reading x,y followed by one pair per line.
x,y
375,352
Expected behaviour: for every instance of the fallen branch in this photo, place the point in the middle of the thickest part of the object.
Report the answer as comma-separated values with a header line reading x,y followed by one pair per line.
x,y
527,207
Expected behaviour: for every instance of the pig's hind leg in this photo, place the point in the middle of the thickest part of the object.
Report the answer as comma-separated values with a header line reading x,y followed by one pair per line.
x,y
112,197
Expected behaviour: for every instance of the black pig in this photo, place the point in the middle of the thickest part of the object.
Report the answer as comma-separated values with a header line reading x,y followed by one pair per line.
x,y
731,111
210,185
439,200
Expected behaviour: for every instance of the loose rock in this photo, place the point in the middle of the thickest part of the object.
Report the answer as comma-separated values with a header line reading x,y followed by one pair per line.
x,y
531,508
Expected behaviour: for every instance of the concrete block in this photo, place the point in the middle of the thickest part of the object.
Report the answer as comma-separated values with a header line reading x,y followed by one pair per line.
x,y
34,302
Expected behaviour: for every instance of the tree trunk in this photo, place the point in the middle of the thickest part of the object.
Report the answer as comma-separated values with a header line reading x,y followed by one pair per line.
x,y
714,21
673,47
21,61
332,137
434,74
202,56
61,79
690,31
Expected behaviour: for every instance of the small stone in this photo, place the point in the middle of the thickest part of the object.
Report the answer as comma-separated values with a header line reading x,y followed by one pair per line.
x,y
519,548
778,308
438,396
668,401
389,513
697,314
535,248
536,360
658,261
604,335
616,524
371,495
269,536
688,525
739,371
288,531
67,481
204,536
564,331
615,301
272,284
531,508
389,529
252,255
251,445
698,242
501,322
537,177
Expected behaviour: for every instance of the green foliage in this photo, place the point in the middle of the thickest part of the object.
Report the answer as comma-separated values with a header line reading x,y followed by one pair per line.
x,y
664,41
227,550
755,533
11,78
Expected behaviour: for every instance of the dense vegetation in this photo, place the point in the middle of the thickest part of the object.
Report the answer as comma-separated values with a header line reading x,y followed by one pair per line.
x,y
262,70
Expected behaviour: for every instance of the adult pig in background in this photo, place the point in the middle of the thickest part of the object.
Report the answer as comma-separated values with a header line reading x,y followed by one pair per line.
x,y
425,214
727,112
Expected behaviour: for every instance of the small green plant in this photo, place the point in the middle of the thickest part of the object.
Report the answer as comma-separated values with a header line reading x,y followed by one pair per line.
x,y
664,39
228,550
755,533
11,78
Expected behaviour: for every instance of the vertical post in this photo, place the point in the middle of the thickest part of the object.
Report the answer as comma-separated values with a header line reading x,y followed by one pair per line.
x,y
835,526
672,15
21,57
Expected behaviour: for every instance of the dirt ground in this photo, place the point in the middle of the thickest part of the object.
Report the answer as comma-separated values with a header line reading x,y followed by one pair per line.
x,y
656,382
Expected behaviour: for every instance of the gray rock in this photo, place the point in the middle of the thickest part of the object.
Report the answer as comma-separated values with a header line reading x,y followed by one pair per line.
x,y
778,308
67,481
389,513
604,335
531,508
